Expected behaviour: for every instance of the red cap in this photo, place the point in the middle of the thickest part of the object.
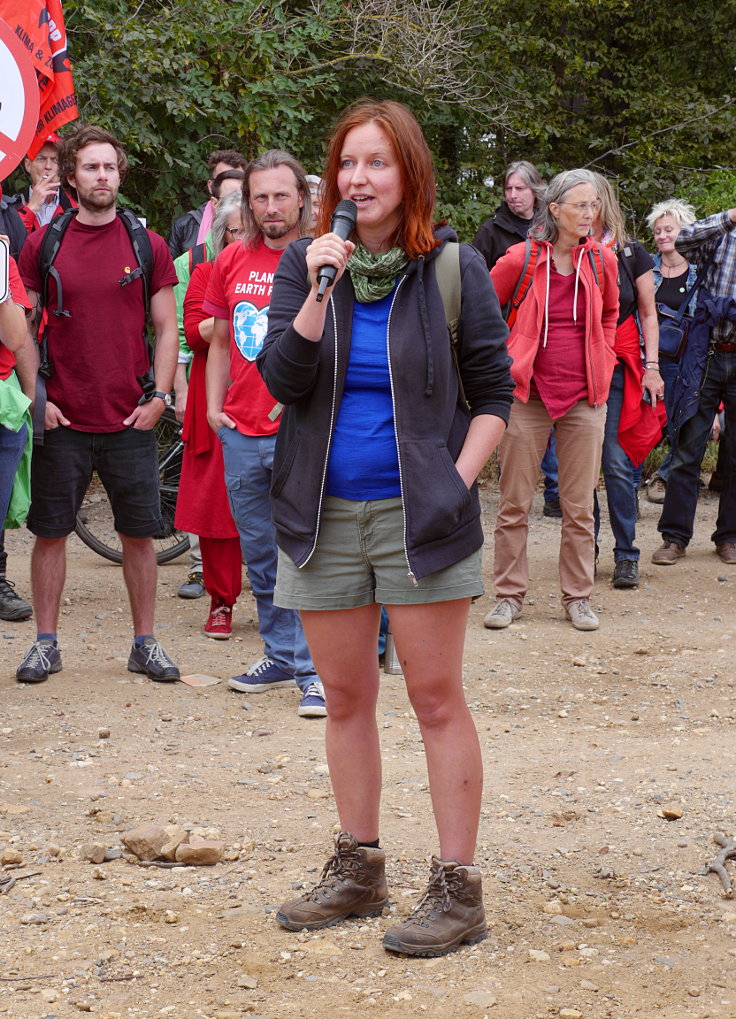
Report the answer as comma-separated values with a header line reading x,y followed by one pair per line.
x,y
53,139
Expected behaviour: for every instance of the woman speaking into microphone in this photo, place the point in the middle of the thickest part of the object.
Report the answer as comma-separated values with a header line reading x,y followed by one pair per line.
x,y
375,502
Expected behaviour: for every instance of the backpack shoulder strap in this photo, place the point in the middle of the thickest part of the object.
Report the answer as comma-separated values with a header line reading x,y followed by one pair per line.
x,y
532,251
197,255
447,274
143,252
595,254
48,251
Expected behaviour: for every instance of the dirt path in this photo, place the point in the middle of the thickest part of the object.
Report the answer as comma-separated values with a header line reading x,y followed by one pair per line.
x,y
598,906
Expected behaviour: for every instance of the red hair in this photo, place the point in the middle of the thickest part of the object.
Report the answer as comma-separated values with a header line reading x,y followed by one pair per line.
x,y
414,232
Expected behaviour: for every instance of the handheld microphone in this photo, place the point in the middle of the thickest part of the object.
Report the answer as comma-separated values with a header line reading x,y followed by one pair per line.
x,y
342,223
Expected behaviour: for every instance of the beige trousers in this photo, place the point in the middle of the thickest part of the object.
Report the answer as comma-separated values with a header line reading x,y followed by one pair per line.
x,y
579,438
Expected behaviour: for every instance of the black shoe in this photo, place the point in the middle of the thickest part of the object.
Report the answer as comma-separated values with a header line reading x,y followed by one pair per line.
x,y
626,573
151,658
13,608
552,508
42,658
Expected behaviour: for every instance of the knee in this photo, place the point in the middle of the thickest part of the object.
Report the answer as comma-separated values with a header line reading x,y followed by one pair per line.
x,y
435,709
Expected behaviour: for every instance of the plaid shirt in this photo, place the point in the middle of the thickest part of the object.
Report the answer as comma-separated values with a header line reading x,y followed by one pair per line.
x,y
697,243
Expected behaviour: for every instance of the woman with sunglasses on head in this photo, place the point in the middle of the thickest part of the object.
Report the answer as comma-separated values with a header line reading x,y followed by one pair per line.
x,y
375,502
561,343
202,505
632,426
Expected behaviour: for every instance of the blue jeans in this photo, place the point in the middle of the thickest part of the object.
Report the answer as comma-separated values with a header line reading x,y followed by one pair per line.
x,y
549,469
617,474
12,445
669,369
248,466
681,498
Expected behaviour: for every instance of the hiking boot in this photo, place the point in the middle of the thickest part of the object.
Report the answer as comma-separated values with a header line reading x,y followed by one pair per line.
x,y
581,615
150,657
668,553
263,675
449,914
312,704
193,586
219,623
353,883
13,608
43,658
727,552
501,615
656,488
552,508
626,573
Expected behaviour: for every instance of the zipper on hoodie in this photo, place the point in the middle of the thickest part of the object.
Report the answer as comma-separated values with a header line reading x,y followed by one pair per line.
x,y
410,572
329,444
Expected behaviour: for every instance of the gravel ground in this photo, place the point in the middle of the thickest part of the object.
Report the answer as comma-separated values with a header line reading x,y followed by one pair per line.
x,y
609,769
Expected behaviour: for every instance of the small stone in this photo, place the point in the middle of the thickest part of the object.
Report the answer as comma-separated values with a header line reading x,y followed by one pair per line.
x,y
114,853
98,874
146,842
671,812
103,733
93,852
484,999
176,837
570,1013
10,855
588,985
246,980
53,849
553,907
537,956
200,852
694,992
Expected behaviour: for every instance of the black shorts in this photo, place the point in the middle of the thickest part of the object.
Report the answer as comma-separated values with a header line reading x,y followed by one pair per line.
x,y
127,465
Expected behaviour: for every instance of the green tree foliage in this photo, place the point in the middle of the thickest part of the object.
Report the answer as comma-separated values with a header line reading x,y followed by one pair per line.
x,y
639,91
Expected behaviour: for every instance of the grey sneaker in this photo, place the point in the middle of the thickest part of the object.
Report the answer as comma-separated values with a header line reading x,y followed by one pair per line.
x,y
43,657
449,914
13,608
193,586
501,615
581,615
151,658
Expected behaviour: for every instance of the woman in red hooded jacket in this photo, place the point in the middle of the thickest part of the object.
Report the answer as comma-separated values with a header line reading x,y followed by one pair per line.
x,y
561,343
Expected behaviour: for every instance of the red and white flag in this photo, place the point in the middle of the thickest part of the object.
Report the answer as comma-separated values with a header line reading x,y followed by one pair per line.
x,y
39,26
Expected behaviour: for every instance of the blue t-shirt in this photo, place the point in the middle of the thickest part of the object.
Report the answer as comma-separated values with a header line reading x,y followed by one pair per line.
x,y
364,461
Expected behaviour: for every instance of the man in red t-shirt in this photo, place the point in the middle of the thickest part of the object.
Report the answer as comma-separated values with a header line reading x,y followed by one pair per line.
x,y
98,414
276,211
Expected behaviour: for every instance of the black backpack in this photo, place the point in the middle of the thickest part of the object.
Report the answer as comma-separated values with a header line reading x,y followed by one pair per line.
x,y
48,251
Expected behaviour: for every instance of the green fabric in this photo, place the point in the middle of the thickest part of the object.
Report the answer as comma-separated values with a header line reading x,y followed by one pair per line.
x,y
181,264
14,410
374,276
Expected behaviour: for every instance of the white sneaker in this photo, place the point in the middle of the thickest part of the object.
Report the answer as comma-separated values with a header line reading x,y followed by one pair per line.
x,y
501,615
581,615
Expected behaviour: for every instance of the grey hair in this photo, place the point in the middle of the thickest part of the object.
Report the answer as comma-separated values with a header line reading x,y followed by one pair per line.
x,y
682,212
546,226
529,174
271,160
226,206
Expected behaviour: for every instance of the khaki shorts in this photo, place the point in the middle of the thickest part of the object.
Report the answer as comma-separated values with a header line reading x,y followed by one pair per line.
x,y
360,559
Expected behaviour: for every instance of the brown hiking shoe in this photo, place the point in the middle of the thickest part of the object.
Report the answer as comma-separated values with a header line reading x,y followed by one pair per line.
x,y
668,553
449,914
353,883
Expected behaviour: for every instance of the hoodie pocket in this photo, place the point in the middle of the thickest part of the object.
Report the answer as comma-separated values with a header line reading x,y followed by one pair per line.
x,y
438,501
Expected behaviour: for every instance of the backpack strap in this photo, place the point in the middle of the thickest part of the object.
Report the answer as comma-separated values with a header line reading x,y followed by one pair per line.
x,y
48,251
447,274
143,252
532,250
197,255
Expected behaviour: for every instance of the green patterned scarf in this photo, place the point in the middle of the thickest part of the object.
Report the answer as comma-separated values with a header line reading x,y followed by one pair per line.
x,y
374,276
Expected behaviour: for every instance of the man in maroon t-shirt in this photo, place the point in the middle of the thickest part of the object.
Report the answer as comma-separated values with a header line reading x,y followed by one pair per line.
x,y
98,417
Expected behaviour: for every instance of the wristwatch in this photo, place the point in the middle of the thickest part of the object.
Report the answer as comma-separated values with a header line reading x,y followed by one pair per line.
x,y
147,397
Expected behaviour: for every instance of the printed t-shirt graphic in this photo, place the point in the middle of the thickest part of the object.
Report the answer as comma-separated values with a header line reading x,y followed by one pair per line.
x,y
240,291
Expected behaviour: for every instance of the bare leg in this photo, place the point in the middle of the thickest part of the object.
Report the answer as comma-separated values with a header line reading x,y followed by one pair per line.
x,y
429,641
48,573
344,647
140,571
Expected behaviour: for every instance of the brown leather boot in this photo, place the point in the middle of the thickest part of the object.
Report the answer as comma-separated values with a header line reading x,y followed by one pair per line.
x,y
353,883
449,914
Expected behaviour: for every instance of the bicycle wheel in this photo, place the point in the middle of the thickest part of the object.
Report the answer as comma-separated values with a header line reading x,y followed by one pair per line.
x,y
95,523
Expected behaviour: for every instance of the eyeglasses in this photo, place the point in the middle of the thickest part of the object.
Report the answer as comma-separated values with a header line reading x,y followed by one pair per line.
x,y
235,231
582,207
